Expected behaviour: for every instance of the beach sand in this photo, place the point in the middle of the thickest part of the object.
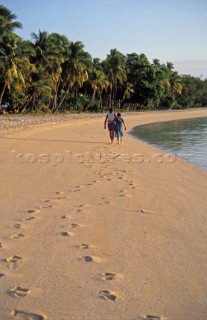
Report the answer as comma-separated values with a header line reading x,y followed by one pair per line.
x,y
94,231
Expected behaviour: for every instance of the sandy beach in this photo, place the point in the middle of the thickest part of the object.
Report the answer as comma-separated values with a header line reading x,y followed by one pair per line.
x,y
94,231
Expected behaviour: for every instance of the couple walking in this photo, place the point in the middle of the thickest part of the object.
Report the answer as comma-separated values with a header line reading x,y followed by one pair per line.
x,y
116,126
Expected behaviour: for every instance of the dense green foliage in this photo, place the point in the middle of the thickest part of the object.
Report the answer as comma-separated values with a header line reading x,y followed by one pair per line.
x,y
51,73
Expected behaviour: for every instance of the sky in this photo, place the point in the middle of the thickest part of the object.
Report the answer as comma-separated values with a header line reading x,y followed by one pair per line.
x,y
168,30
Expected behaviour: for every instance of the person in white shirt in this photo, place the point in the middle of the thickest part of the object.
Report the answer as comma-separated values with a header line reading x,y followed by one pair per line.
x,y
111,119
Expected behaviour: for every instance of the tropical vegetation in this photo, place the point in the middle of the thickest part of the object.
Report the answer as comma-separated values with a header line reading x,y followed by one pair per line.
x,y
50,73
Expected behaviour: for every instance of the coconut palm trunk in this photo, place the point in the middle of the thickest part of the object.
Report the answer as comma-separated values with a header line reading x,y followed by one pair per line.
x,y
1,96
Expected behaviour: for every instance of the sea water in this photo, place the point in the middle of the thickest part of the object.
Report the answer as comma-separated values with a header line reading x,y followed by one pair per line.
x,y
183,138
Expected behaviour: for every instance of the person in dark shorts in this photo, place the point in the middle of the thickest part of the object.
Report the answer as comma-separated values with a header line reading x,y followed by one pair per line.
x,y
111,120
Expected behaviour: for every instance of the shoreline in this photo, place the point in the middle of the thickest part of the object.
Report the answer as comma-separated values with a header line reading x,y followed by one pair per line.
x,y
186,156
112,237
13,123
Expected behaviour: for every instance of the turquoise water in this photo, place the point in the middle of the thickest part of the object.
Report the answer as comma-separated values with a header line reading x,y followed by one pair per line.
x,y
183,138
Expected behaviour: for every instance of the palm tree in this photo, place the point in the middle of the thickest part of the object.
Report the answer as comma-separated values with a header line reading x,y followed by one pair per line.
x,y
99,82
115,69
8,41
6,21
170,65
40,46
39,91
75,69
12,64
156,63
97,64
129,90
50,50
56,45
174,84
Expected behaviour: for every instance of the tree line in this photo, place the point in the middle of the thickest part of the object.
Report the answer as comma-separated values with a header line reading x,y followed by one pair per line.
x,y
50,73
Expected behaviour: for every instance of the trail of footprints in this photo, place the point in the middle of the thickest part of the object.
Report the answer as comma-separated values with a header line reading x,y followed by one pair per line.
x,y
14,260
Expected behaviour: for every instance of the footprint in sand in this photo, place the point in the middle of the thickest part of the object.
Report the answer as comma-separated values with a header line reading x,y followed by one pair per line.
x,y
151,317
88,259
1,275
77,210
16,226
75,188
145,211
17,236
23,315
132,184
19,292
12,261
1,245
32,211
108,276
60,198
96,181
108,295
53,200
29,218
76,225
46,207
66,234
124,193
84,246
79,188
84,205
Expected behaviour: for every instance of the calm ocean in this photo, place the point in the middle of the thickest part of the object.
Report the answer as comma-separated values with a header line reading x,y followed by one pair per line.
x,y
184,138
